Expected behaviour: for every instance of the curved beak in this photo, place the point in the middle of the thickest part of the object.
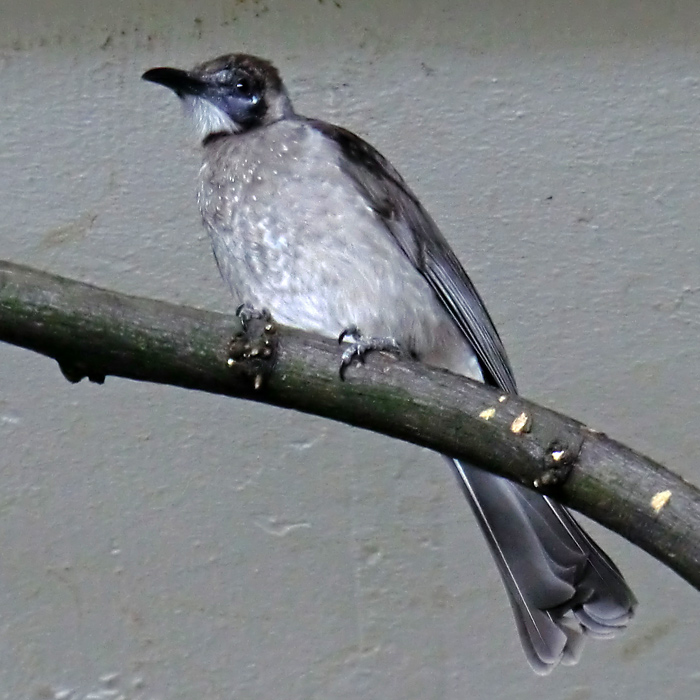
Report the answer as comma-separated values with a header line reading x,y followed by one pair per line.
x,y
179,81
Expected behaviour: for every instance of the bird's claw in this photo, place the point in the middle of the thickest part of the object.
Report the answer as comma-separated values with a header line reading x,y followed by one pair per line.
x,y
361,345
247,313
256,345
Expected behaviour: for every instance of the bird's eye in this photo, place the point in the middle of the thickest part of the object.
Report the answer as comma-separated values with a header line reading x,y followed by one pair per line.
x,y
244,86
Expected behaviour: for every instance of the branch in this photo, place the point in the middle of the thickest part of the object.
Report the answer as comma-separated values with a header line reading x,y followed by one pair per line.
x,y
92,332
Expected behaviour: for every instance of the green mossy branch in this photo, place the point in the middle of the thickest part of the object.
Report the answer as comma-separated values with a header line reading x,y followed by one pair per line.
x,y
93,333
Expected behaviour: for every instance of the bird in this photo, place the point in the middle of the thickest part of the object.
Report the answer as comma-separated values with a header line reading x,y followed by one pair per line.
x,y
310,222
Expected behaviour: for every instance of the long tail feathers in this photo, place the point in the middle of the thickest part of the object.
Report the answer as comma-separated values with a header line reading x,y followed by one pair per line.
x,y
561,585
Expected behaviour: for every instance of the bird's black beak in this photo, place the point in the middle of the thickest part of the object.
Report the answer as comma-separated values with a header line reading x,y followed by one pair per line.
x,y
179,81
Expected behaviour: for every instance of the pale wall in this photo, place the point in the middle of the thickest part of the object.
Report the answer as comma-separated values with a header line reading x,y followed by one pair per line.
x,y
164,544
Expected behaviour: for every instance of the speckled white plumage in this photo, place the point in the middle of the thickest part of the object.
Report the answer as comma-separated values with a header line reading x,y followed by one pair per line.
x,y
281,249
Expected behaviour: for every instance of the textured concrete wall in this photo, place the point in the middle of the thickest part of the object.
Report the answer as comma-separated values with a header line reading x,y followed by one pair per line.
x,y
159,544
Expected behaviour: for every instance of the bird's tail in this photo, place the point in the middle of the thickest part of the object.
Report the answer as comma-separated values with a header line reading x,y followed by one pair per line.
x,y
561,585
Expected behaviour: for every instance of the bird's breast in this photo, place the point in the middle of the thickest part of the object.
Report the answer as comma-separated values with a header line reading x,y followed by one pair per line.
x,y
291,233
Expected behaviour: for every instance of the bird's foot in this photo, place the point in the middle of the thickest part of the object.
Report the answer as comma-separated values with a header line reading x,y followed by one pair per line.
x,y
256,345
361,345
248,313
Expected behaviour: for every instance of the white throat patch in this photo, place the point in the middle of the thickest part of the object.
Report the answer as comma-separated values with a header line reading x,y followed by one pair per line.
x,y
208,118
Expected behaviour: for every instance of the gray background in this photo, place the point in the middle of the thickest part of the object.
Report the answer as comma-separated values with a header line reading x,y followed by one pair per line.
x,y
160,544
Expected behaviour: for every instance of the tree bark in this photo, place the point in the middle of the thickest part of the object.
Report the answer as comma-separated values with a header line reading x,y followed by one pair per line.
x,y
93,333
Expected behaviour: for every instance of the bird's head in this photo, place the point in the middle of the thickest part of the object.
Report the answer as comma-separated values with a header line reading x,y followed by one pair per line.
x,y
228,94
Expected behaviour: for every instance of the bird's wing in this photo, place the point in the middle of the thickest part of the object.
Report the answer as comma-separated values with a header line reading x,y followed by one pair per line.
x,y
419,238
551,569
